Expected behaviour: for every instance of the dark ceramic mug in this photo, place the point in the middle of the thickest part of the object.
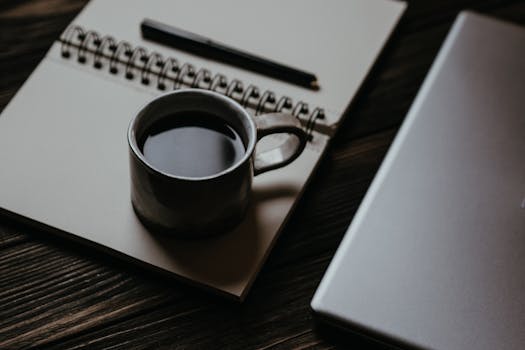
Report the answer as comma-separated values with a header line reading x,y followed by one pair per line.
x,y
203,206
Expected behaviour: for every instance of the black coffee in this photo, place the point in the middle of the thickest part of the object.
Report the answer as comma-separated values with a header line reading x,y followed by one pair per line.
x,y
192,144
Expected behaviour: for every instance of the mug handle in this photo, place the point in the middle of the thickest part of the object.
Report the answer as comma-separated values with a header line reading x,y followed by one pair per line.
x,y
284,154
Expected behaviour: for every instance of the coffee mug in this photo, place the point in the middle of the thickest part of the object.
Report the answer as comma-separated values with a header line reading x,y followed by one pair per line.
x,y
202,130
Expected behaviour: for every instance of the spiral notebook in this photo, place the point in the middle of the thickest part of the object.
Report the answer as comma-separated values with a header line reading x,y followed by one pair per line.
x,y
63,143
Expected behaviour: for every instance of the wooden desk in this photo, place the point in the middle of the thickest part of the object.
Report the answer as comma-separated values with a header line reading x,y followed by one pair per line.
x,y
55,295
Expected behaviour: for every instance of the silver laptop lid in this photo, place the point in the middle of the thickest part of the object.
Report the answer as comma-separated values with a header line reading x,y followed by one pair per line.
x,y
435,256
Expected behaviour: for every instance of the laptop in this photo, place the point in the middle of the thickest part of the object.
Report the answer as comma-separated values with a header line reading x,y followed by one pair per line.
x,y
435,256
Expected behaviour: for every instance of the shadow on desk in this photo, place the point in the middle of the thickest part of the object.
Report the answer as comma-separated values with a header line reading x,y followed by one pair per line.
x,y
348,339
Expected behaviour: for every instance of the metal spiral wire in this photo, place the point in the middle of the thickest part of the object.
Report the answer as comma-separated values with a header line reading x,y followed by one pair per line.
x,y
151,67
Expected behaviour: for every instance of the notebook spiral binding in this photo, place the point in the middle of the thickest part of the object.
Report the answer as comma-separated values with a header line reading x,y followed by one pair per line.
x,y
153,69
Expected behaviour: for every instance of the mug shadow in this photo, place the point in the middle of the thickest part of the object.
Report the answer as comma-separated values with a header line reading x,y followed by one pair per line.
x,y
229,259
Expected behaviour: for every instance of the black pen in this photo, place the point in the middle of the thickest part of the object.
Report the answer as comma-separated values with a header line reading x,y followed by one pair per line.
x,y
199,45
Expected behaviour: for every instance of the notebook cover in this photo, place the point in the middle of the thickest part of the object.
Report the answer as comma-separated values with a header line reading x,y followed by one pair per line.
x,y
64,153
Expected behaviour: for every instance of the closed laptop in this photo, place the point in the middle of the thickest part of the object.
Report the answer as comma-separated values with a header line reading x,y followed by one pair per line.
x,y
435,256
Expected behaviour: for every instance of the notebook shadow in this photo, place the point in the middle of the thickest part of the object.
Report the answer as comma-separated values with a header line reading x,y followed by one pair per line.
x,y
229,260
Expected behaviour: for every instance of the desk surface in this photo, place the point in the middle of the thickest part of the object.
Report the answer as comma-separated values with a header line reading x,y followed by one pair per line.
x,y
54,295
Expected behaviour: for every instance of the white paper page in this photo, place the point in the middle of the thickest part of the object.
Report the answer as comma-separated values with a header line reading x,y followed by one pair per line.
x,y
64,157
337,40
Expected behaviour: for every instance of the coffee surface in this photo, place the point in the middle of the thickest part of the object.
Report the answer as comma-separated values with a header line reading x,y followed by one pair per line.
x,y
192,144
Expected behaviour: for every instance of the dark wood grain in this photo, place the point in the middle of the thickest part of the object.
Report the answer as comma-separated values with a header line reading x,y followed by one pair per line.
x,y
57,296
